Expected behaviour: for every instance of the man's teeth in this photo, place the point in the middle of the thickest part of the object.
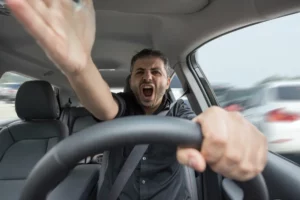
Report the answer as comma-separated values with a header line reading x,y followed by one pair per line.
x,y
147,87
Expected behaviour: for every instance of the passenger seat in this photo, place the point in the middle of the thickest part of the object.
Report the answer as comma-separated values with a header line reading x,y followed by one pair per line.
x,y
77,118
24,143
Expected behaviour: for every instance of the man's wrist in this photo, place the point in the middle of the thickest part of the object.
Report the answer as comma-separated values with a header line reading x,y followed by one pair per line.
x,y
82,71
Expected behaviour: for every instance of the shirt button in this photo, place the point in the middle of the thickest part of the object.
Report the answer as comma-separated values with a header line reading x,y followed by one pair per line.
x,y
143,181
144,158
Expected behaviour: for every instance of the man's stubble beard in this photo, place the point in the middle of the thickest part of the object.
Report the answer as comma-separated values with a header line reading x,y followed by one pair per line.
x,y
157,100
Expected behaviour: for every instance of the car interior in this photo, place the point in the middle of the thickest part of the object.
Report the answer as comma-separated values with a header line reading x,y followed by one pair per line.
x,y
55,149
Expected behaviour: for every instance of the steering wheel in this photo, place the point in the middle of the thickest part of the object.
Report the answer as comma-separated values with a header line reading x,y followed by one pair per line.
x,y
61,159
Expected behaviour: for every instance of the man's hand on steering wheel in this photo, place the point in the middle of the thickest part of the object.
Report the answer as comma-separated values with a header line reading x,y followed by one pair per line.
x,y
232,146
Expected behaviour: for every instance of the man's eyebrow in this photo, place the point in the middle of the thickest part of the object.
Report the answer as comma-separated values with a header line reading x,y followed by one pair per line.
x,y
139,69
152,69
156,68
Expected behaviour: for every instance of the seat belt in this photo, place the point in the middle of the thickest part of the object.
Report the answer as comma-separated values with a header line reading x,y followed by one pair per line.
x,y
130,164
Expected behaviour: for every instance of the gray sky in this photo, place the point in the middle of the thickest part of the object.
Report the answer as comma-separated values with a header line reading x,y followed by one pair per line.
x,y
244,57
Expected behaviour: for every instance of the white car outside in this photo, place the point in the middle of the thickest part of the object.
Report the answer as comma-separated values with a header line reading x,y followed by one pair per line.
x,y
275,110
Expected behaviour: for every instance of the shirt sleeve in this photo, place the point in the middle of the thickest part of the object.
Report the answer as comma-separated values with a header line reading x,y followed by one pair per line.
x,y
184,111
121,105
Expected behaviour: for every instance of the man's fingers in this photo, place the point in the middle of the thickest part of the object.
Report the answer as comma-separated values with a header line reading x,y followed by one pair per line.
x,y
262,157
244,157
31,21
213,136
58,4
48,3
254,162
40,8
192,158
231,145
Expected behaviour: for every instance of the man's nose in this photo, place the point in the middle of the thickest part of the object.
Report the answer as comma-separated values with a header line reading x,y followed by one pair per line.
x,y
147,76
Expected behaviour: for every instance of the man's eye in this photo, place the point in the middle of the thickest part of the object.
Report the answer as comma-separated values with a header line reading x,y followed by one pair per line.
x,y
155,72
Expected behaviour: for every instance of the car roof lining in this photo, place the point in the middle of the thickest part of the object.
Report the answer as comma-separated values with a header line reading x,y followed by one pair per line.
x,y
151,6
125,27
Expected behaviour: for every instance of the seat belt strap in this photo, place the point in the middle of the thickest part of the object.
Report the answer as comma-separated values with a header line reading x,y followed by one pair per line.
x,y
130,164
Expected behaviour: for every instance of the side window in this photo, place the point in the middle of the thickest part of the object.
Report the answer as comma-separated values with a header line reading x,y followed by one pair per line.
x,y
176,87
264,56
9,85
177,90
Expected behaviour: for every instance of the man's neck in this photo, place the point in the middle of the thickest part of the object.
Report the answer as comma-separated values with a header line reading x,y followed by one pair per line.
x,y
152,109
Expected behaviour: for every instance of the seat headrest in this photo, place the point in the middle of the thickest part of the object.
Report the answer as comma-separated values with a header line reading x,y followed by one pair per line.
x,y
35,100
127,84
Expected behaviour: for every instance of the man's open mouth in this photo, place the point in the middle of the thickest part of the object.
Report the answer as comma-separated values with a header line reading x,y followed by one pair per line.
x,y
147,91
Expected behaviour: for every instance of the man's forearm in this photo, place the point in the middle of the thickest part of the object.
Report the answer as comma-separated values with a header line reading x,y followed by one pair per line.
x,y
94,93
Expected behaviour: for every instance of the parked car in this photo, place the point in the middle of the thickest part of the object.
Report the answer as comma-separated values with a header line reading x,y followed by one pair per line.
x,y
220,91
235,99
234,105
8,91
275,110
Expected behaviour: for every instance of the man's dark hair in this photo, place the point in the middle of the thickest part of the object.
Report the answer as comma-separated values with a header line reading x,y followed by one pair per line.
x,y
151,53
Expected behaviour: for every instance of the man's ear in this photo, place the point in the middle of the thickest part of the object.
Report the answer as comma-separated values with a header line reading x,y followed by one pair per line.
x,y
129,81
169,82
